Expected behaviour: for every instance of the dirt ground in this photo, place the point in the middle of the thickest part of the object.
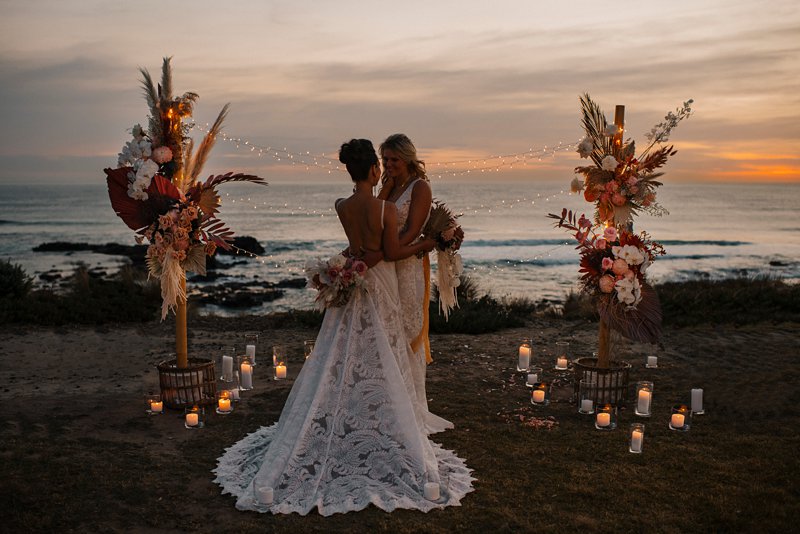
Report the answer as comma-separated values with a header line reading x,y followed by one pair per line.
x,y
80,454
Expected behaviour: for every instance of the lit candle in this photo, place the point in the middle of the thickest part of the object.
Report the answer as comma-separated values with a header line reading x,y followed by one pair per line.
x,y
532,378
561,362
524,357
156,406
280,371
677,420
587,405
432,491
538,395
643,404
250,352
265,495
224,405
636,440
247,376
227,368
652,361
192,419
697,400
603,419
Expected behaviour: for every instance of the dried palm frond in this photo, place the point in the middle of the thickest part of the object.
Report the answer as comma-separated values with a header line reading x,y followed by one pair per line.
x,y
215,230
642,323
151,96
166,80
595,124
656,159
439,220
195,164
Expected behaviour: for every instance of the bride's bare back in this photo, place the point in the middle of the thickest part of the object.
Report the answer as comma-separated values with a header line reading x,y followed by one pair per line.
x,y
361,218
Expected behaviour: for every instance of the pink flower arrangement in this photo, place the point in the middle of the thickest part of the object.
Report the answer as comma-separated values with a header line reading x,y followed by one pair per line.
x,y
335,279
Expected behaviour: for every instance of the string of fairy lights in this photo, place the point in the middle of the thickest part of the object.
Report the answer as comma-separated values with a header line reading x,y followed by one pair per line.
x,y
308,160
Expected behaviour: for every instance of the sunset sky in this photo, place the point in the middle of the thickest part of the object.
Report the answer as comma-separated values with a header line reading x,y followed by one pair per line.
x,y
465,80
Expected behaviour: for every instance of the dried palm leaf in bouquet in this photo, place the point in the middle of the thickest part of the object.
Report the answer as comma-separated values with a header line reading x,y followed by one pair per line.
x,y
443,228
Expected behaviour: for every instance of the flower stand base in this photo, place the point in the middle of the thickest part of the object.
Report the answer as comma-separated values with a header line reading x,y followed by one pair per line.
x,y
612,382
194,385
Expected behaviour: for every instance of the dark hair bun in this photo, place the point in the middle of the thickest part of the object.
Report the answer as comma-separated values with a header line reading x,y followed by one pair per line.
x,y
357,151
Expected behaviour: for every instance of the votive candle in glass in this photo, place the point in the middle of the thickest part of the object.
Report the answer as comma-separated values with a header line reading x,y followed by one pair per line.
x,y
587,393
644,398
250,343
246,374
652,362
697,401
540,395
265,494
227,363
681,418
280,371
278,354
534,375
194,417
224,402
606,417
562,355
154,405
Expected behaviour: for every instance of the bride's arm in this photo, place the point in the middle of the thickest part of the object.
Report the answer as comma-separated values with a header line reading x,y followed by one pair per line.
x,y
392,248
421,199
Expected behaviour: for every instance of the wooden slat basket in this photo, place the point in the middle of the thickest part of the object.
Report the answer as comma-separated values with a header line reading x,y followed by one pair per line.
x,y
190,386
612,383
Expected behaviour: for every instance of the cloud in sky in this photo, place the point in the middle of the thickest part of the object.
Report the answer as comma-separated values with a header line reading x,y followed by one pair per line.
x,y
458,77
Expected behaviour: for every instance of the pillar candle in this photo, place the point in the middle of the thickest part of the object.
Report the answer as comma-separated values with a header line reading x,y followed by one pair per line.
x,y
227,368
524,358
280,371
156,406
561,362
636,440
533,378
432,491
643,404
697,400
603,419
266,495
587,405
538,395
224,405
235,394
247,376
652,361
677,420
192,419
250,351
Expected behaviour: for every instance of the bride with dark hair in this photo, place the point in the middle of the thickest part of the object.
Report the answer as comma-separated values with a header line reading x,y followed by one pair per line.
x,y
350,433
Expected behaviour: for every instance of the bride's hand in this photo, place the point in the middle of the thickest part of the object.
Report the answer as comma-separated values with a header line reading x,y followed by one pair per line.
x,y
428,244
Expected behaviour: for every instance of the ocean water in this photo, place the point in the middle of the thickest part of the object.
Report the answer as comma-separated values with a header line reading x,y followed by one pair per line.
x,y
511,249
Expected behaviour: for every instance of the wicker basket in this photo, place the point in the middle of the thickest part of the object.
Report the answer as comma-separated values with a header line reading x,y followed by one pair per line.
x,y
194,385
612,382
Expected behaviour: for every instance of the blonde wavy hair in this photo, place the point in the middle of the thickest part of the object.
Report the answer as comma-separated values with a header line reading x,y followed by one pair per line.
x,y
402,145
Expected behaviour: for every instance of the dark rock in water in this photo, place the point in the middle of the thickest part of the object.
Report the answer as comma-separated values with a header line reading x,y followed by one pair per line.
x,y
238,298
136,253
778,263
50,276
292,283
243,242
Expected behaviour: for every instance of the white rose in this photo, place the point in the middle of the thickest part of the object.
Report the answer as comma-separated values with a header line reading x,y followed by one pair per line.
x,y
585,147
147,170
609,163
338,261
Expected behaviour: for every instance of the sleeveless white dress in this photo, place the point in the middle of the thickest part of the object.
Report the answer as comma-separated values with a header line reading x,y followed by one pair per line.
x,y
411,282
350,433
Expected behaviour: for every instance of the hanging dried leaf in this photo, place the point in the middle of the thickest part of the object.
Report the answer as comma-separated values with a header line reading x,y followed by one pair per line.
x,y
196,259
642,324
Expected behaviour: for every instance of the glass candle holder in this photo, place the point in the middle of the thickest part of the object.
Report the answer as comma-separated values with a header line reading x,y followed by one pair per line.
x,y
308,347
227,363
605,417
246,374
651,361
224,402
697,401
636,440
250,344
194,417
153,404
562,355
681,418
587,396
540,395
278,354
524,355
534,375
265,494
235,387
280,370
644,398
435,486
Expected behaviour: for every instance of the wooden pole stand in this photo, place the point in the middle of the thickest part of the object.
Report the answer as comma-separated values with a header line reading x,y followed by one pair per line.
x,y
181,347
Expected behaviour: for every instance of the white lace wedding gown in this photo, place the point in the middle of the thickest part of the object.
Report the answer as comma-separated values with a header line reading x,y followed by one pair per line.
x,y
349,434
411,281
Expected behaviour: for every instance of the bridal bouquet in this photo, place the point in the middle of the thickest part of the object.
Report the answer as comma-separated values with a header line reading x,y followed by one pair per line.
x,y
613,266
155,189
620,183
335,279
443,228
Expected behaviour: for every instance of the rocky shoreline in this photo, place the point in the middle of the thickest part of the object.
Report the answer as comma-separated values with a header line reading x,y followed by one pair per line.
x,y
215,287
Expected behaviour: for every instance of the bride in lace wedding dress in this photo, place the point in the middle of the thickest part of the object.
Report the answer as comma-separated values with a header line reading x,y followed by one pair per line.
x,y
350,433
